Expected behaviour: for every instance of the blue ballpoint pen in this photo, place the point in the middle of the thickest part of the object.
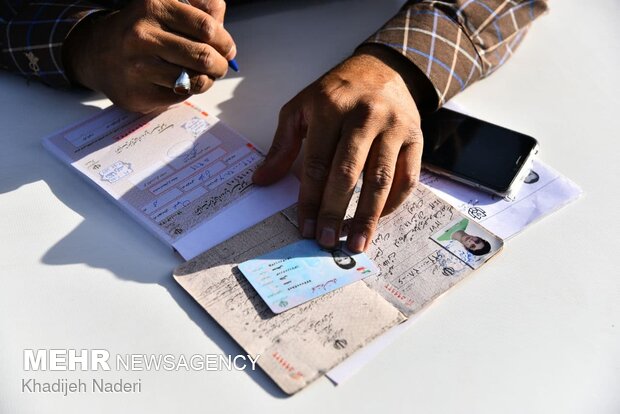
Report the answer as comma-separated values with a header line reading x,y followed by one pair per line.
x,y
183,83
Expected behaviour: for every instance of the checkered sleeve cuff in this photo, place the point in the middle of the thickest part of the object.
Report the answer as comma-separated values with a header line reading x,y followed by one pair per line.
x,y
31,42
457,42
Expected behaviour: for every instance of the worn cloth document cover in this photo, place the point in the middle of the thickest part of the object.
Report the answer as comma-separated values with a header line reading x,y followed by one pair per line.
x,y
422,250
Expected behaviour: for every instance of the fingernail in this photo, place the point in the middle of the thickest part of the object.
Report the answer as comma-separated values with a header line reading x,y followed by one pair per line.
x,y
232,52
328,237
357,243
309,228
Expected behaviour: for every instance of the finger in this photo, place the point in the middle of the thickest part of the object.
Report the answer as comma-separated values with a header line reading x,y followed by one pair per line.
x,y
148,97
346,168
200,83
321,140
164,74
163,97
285,147
195,23
376,186
199,57
406,176
216,8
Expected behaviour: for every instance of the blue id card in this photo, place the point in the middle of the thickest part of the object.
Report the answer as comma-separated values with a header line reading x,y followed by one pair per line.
x,y
303,271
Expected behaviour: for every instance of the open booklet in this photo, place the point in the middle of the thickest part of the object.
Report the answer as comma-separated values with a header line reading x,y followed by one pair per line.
x,y
422,250
186,177
181,173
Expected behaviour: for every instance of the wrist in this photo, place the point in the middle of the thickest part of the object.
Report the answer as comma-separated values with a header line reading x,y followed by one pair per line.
x,y
419,85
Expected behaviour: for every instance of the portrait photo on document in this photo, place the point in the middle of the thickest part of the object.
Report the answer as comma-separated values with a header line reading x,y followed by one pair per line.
x,y
468,241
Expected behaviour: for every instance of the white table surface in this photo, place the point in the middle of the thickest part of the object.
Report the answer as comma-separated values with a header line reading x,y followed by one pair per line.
x,y
537,330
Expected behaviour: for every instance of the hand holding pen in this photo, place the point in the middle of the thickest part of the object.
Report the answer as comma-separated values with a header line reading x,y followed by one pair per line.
x,y
134,55
182,85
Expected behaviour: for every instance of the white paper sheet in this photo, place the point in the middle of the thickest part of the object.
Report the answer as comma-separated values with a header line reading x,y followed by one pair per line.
x,y
547,192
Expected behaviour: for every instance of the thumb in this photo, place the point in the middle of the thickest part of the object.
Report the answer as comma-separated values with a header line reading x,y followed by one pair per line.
x,y
284,149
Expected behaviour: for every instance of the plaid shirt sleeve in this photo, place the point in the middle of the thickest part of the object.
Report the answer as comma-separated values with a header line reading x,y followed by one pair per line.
x,y
457,42
32,33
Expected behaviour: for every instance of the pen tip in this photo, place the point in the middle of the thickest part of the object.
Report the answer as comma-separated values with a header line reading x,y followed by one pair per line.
x,y
233,65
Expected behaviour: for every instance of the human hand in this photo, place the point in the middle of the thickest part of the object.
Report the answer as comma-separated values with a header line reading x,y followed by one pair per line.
x,y
360,116
134,55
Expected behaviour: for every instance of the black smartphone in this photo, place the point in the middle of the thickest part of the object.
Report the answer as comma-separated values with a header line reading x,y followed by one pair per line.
x,y
477,153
